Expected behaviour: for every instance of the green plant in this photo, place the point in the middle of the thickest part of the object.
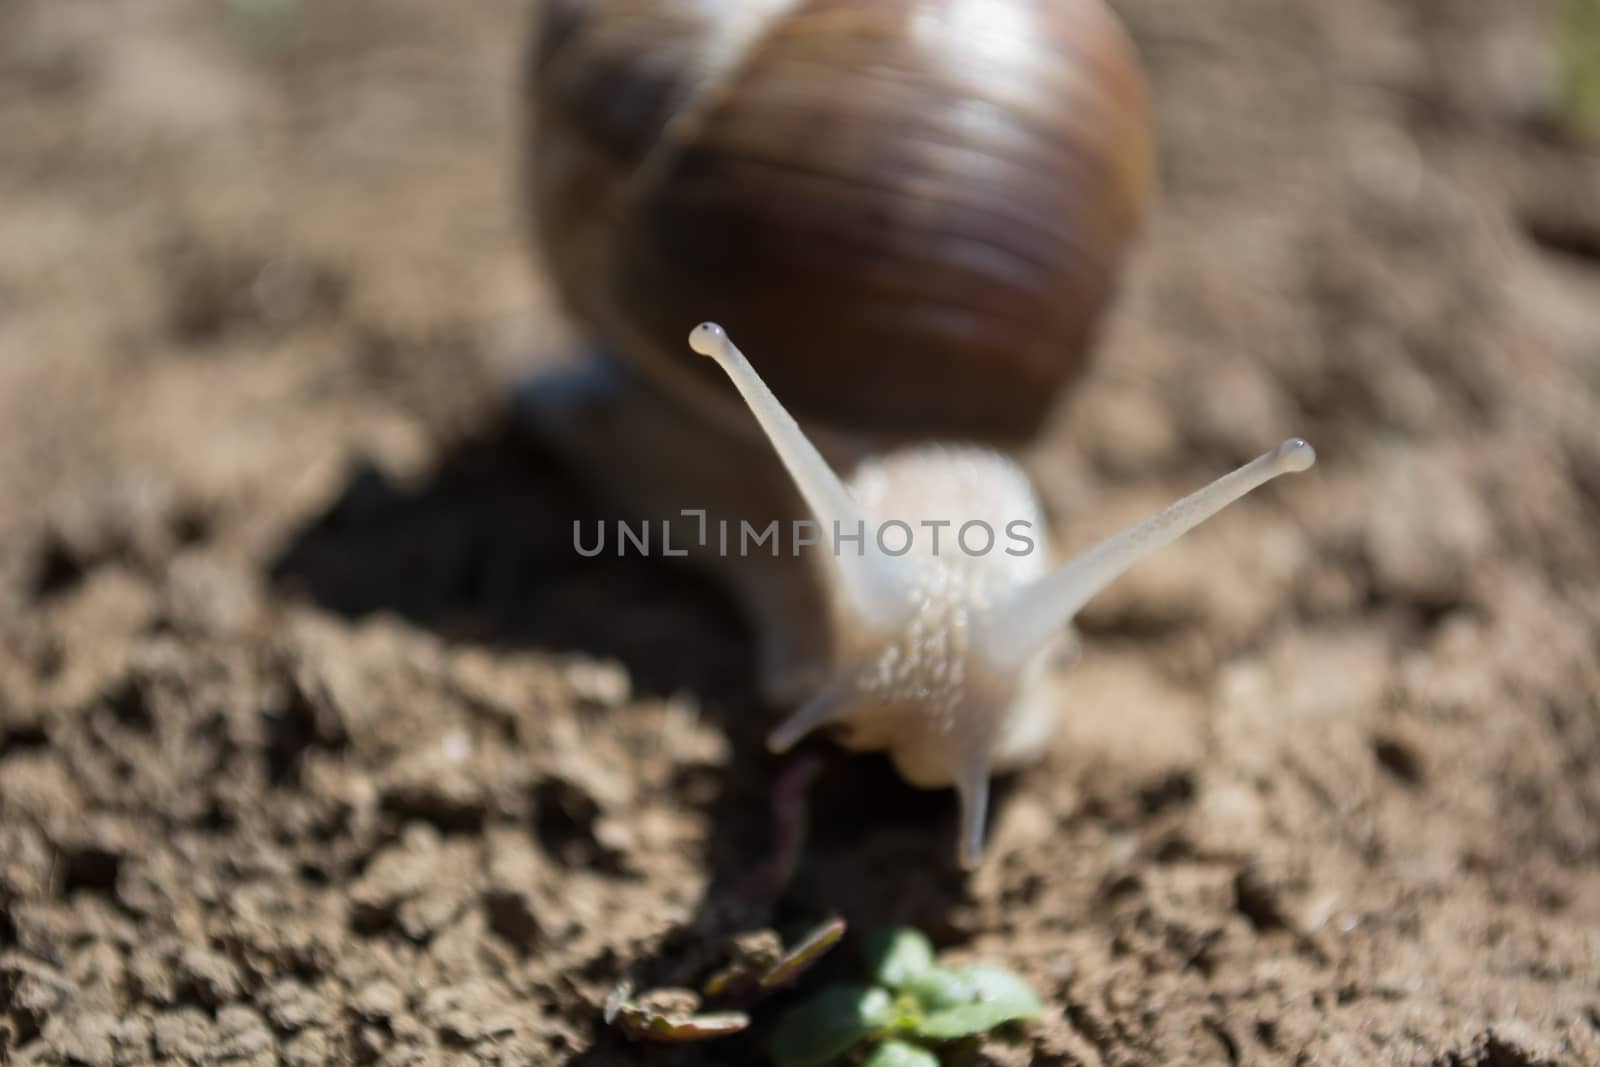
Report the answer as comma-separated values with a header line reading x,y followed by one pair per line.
x,y
913,1007
1578,44
265,26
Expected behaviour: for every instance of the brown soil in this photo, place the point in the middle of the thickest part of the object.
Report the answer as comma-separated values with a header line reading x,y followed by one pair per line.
x,y
316,743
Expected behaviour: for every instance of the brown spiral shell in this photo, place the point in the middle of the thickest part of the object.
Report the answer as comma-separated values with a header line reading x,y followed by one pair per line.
x,y
910,212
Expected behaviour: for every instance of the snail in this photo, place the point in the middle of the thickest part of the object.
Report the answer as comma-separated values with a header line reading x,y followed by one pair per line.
x,y
913,213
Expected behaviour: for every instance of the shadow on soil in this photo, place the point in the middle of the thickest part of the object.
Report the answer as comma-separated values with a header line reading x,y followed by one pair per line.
x,y
481,551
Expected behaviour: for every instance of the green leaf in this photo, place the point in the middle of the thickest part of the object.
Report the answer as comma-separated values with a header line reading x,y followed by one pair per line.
x,y
964,1020
995,997
829,1024
900,1054
941,988
999,986
898,955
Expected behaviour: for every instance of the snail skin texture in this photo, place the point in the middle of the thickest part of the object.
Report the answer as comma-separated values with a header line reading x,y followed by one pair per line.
x,y
939,658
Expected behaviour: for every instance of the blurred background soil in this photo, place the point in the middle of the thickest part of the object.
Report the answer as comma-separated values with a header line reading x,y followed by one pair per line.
x,y
317,744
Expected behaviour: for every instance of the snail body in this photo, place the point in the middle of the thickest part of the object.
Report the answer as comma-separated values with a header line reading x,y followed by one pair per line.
x,y
914,213
939,658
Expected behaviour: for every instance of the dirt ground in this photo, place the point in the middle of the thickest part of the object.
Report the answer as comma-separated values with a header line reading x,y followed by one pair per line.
x,y
317,744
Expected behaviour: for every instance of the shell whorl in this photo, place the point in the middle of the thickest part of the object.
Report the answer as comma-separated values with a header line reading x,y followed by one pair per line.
x,y
913,209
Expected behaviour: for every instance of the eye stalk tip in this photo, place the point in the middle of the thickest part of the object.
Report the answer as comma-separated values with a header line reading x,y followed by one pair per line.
x,y
1294,455
708,339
